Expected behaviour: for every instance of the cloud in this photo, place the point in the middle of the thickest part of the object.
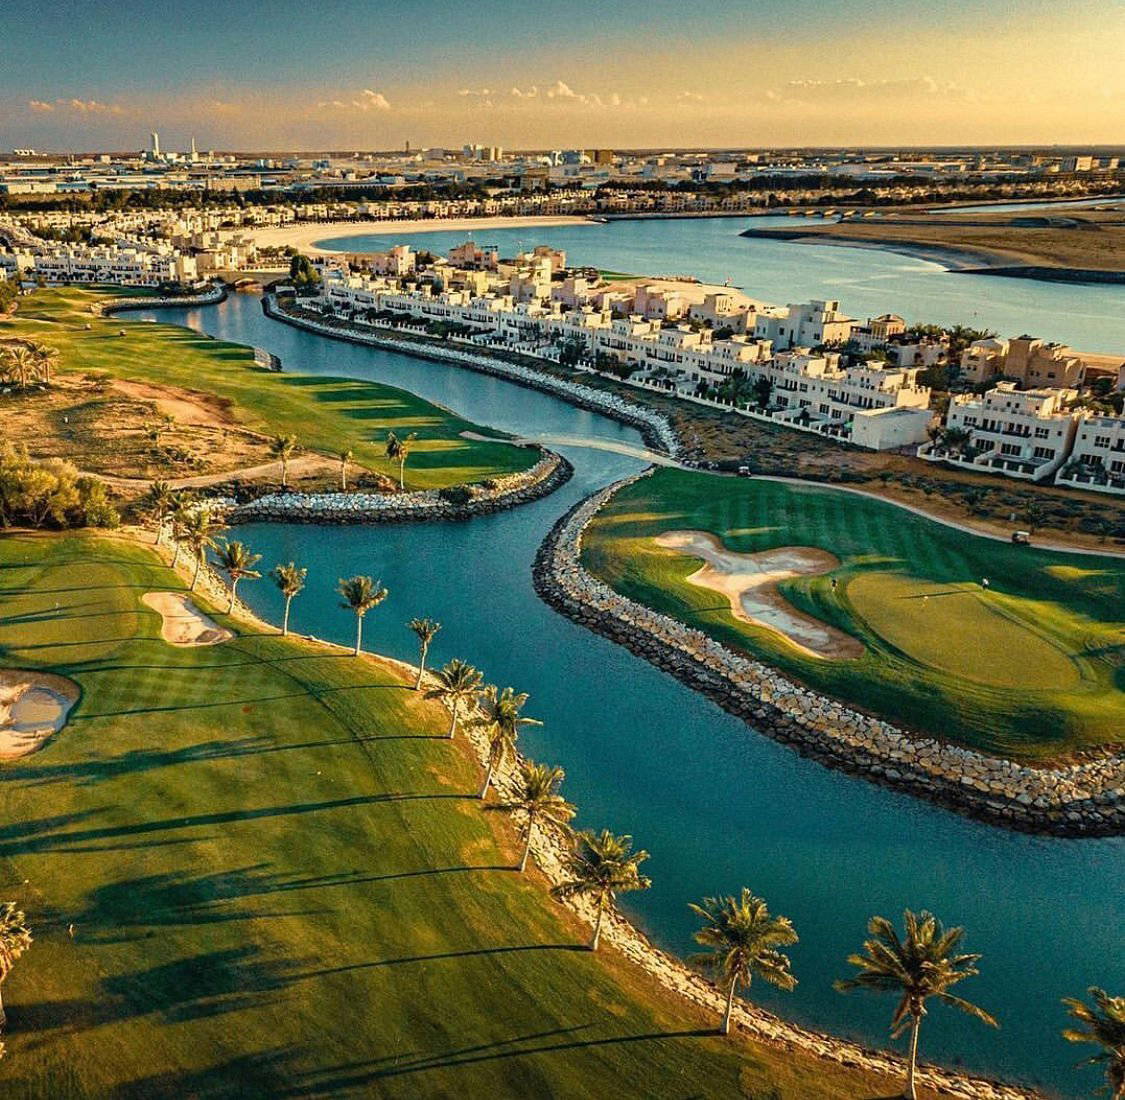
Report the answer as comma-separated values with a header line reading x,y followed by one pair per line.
x,y
475,93
689,97
79,106
367,100
855,87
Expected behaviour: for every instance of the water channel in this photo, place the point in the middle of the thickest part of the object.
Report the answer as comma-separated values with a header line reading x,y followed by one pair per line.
x,y
717,806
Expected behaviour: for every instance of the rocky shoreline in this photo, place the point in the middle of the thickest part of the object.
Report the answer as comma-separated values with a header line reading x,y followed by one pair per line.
x,y
1080,800
655,428
459,502
217,294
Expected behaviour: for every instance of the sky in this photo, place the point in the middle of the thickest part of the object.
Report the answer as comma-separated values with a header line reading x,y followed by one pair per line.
x,y
81,75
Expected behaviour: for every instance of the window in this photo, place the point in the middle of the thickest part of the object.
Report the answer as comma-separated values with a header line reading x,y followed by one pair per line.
x,y
1101,441
1042,433
1010,448
1044,452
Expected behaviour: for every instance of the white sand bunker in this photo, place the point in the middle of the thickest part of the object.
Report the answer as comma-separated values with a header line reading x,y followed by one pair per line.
x,y
33,706
184,623
750,582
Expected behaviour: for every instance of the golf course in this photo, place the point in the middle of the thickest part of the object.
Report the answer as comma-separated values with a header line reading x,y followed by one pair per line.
x,y
258,868
1011,650
327,415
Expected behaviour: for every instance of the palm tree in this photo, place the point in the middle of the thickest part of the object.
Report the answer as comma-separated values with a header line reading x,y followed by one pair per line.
x,y
159,503
21,365
345,456
425,629
291,581
397,451
283,447
457,684
236,559
15,939
539,799
743,937
921,965
361,594
1105,1026
181,511
46,359
199,531
601,867
500,715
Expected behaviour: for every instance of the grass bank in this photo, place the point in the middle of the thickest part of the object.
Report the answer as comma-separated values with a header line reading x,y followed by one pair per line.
x,y
1033,668
326,414
280,883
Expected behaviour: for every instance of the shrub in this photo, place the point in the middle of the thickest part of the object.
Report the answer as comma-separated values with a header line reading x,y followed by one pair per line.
x,y
50,494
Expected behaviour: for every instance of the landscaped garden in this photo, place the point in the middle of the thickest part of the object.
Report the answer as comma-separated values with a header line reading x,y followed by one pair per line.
x,y
1012,650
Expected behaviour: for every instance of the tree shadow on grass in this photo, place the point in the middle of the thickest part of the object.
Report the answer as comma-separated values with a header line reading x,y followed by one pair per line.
x,y
48,834
266,1073
118,912
359,1075
88,773
198,987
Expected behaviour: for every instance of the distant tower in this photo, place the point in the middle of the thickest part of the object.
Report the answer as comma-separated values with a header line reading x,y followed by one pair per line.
x,y
155,145
194,152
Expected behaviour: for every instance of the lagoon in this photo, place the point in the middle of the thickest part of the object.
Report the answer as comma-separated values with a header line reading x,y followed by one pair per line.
x,y
716,805
867,281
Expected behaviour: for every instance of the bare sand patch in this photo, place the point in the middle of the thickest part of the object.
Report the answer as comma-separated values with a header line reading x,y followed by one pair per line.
x,y
184,624
186,406
33,706
749,581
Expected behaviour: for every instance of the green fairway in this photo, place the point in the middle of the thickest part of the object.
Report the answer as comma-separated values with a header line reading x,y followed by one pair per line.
x,y
326,414
1033,667
253,870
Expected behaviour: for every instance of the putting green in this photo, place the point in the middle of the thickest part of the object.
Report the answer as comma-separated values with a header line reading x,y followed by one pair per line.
x,y
1033,669
960,629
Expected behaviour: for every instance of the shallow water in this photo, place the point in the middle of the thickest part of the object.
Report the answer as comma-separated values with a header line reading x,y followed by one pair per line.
x,y
715,804
866,281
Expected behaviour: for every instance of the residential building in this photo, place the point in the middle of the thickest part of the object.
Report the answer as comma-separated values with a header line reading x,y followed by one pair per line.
x,y
1022,433
813,324
1098,459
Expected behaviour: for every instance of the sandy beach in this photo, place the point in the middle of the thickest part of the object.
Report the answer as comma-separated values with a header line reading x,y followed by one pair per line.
x,y
304,237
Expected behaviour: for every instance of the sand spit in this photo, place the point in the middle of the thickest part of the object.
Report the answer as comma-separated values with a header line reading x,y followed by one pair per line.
x,y
33,707
184,624
749,582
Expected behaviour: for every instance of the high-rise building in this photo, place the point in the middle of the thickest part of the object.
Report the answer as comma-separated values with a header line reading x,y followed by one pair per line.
x,y
193,155
155,145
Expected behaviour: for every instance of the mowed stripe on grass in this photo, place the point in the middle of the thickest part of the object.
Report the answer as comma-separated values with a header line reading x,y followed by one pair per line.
x,y
1032,668
326,414
281,884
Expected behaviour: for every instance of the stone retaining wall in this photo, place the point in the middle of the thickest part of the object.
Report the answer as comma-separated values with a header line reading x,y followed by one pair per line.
x,y
655,428
1086,799
507,491
212,297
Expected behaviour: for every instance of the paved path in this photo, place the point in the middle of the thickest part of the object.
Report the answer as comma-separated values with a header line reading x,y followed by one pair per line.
x,y
302,464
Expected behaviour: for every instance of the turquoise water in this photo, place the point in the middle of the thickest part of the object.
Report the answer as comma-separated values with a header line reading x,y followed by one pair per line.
x,y
716,805
866,281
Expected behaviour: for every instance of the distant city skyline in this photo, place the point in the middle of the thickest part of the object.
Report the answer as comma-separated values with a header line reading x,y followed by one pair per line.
x,y
93,75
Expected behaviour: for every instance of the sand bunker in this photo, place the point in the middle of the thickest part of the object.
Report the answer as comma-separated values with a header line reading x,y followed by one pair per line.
x,y
184,623
33,706
750,582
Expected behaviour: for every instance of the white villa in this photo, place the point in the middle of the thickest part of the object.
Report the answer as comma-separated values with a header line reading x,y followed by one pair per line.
x,y
1098,459
1022,433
